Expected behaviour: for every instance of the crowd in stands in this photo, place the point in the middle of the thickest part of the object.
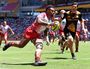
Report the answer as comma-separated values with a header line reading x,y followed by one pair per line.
x,y
18,25
54,2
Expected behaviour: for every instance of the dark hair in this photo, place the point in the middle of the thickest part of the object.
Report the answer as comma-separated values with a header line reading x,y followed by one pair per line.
x,y
75,3
49,6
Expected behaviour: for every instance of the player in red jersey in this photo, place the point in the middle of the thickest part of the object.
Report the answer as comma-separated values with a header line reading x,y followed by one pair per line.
x,y
85,36
4,31
61,30
33,32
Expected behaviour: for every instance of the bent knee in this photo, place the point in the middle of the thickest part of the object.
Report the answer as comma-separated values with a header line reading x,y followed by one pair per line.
x,y
70,39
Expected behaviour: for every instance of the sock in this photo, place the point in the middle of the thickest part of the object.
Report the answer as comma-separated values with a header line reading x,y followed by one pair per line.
x,y
73,55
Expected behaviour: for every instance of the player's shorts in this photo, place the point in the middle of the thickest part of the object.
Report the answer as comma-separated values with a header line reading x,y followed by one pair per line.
x,y
1,34
78,33
85,36
29,33
4,36
52,33
69,33
60,32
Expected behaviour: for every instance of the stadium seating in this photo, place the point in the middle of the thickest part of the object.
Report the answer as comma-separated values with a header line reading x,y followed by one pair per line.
x,y
11,5
18,25
12,1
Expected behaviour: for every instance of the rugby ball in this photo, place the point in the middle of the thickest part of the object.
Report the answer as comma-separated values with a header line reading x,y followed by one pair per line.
x,y
56,26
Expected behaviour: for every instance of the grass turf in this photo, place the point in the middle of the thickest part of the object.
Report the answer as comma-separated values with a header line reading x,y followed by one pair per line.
x,y
15,58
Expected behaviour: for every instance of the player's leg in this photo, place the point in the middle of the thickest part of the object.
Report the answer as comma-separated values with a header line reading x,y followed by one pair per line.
x,y
53,36
60,43
29,34
47,40
85,37
0,40
70,41
5,38
65,44
76,42
39,47
66,47
21,44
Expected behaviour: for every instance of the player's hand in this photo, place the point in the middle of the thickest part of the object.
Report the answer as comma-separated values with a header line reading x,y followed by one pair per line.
x,y
13,33
50,25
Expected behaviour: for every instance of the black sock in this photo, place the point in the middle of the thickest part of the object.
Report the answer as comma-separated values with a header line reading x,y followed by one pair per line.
x,y
59,43
73,55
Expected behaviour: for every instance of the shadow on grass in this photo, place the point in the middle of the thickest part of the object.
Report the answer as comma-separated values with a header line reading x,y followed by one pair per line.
x,y
52,53
21,64
61,58
17,63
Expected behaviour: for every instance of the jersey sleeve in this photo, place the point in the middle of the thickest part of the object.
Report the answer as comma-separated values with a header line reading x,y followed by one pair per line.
x,y
8,27
42,18
80,17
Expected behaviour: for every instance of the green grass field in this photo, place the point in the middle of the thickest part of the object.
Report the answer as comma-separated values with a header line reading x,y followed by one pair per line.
x,y
15,58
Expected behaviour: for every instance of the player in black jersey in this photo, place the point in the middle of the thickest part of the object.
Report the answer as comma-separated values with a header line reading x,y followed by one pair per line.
x,y
72,17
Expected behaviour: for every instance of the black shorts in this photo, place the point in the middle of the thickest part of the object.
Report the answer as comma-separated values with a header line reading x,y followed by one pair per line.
x,y
69,33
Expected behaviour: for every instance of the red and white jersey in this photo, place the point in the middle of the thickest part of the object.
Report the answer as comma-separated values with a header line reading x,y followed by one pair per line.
x,y
4,28
63,23
78,26
85,31
37,26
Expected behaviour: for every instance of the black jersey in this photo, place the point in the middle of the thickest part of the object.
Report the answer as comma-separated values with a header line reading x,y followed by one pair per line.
x,y
71,22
